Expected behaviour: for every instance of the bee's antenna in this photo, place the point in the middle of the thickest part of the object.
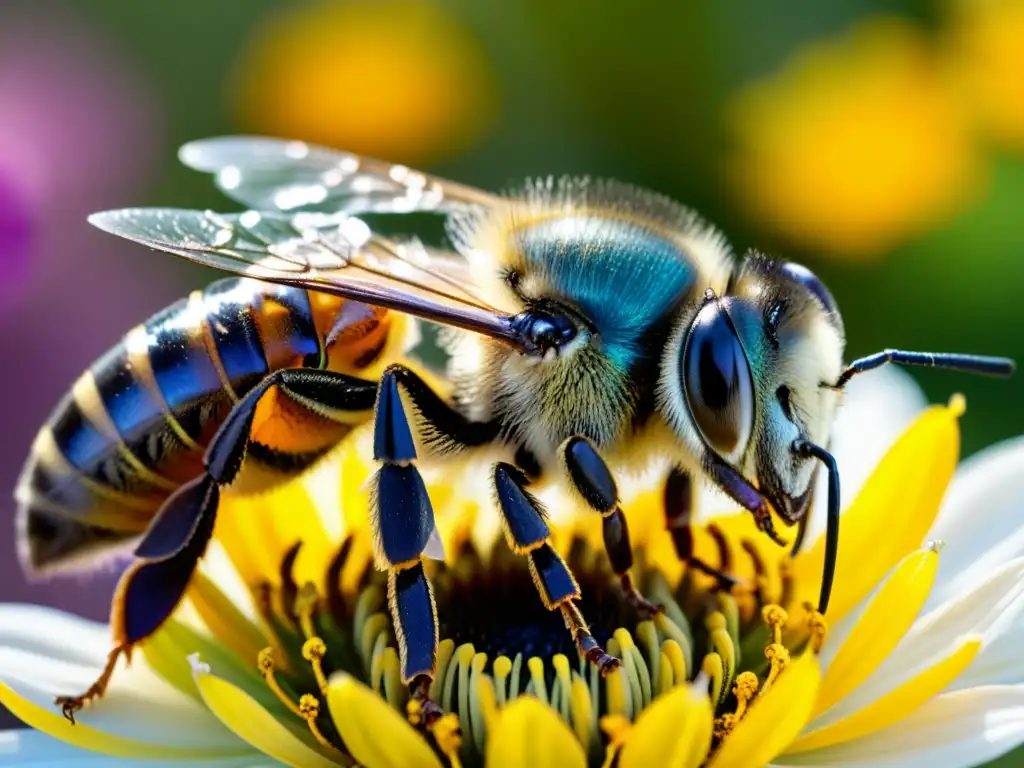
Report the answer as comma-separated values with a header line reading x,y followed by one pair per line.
x,y
806,448
986,366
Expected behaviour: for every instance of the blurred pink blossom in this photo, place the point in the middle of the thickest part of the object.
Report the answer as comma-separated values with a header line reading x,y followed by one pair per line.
x,y
79,131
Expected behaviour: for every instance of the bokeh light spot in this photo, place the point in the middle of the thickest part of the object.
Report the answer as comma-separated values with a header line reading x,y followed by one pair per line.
x,y
986,54
396,79
855,145
16,236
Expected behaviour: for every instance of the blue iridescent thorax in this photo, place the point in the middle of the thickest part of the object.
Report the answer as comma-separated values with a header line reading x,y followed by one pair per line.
x,y
622,275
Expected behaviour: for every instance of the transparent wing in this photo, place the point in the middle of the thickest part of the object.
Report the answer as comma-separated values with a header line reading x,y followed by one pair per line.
x,y
330,252
291,176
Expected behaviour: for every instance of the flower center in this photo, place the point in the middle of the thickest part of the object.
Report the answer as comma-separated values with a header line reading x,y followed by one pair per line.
x,y
498,642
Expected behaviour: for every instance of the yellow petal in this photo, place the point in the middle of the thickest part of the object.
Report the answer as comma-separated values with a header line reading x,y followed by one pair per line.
x,y
896,704
529,734
892,513
52,722
223,618
671,732
774,720
251,722
880,628
375,734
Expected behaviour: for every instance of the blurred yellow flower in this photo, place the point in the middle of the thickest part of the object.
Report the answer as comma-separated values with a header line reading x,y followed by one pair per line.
x,y
856,144
986,47
398,79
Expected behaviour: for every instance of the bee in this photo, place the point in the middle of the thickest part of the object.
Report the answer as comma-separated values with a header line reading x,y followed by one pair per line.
x,y
592,327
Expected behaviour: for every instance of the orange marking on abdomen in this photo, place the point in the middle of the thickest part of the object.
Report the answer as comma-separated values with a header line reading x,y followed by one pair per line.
x,y
284,425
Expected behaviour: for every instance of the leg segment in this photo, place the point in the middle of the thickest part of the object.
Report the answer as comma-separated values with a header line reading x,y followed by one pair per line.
x,y
527,533
593,481
176,539
403,519
744,494
679,507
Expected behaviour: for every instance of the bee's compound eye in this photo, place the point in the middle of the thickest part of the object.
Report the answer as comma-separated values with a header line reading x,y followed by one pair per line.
x,y
810,281
717,381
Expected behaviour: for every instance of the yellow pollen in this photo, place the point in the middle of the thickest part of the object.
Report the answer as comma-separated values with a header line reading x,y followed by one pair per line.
x,y
265,664
818,627
617,728
723,725
309,706
775,617
309,710
313,651
778,657
745,688
448,736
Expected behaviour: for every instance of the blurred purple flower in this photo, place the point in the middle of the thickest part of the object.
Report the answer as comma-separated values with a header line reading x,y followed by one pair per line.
x,y
15,237
78,133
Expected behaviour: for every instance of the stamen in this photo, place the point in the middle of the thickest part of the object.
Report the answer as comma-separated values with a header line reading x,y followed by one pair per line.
x,y
502,668
721,641
818,627
265,665
776,653
714,669
744,690
313,651
309,710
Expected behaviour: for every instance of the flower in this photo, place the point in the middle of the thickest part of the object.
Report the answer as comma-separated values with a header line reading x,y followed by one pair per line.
x,y
857,144
290,656
399,79
986,58
16,236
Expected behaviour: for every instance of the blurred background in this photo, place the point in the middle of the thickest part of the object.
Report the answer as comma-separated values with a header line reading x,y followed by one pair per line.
x,y
880,142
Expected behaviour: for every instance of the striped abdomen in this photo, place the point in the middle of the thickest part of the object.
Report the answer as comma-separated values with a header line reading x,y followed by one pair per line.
x,y
134,426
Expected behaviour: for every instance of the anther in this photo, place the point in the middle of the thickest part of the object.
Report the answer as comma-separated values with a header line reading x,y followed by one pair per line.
x,y
775,617
723,725
818,627
313,651
778,656
309,710
265,664
309,706
744,690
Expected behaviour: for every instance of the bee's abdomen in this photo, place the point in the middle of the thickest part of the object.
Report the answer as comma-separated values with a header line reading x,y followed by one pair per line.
x,y
135,425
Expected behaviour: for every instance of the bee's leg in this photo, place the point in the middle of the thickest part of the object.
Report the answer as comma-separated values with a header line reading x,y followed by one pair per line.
x,y
150,590
679,508
593,481
747,496
176,539
527,534
403,521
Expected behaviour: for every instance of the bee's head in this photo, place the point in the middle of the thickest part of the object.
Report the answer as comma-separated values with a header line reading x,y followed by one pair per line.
x,y
747,374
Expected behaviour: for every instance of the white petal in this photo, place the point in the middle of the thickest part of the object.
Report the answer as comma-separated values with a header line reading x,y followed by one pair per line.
x,y
46,631
990,610
955,729
999,663
139,705
32,748
981,520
